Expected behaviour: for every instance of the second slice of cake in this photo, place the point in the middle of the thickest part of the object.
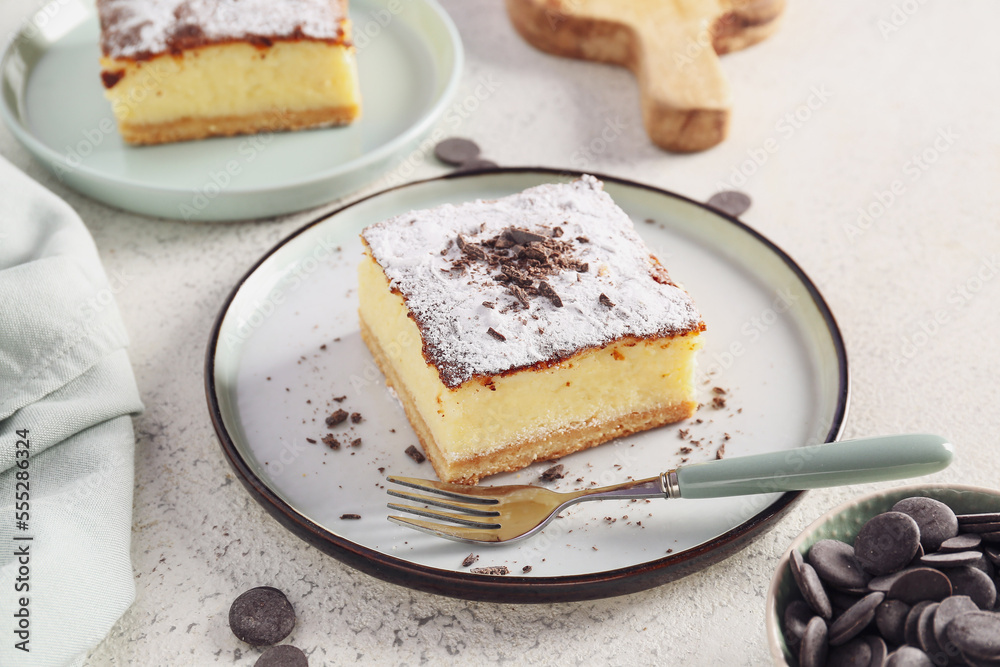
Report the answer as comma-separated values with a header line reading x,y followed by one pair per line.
x,y
526,328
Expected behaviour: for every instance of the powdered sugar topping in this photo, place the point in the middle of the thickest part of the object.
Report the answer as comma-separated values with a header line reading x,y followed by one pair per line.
x,y
141,28
484,308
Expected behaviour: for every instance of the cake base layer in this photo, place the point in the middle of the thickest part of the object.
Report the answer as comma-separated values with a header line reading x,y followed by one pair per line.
x,y
187,129
515,456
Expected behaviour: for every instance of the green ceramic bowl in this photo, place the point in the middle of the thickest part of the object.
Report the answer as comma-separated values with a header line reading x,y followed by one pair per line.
x,y
843,523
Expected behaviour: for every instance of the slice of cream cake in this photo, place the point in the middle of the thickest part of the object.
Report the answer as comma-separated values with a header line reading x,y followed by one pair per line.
x,y
176,70
525,328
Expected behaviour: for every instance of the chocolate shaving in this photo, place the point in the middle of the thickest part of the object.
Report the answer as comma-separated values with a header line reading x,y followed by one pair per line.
x,y
522,236
519,294
605,301
557,232
514,275
553,473
546,290
496,334
583,239
337,417
489,304
415,454
311,441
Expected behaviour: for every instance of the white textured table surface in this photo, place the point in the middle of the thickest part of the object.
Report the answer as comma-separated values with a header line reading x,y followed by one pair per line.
x,y
899,91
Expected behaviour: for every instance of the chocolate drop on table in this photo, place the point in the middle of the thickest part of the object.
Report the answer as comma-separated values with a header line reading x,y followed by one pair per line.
x,y
733,202
810,586
812,651
936,521
887,542
261,616
854,653
890,618
850,624
285,655
456,151
907,656
919,584
975,583
835,564
977,634
950,609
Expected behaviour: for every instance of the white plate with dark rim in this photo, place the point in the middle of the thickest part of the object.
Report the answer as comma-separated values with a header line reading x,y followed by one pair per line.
x,y
409,63
286,343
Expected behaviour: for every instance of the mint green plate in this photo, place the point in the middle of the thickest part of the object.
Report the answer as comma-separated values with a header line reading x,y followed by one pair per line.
x,y
409,58
843,523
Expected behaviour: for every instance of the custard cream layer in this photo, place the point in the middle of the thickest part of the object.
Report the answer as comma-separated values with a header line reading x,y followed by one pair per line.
x,y
235,79
482,415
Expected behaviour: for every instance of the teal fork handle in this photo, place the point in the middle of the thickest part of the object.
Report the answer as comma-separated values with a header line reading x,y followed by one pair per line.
x,y
876,459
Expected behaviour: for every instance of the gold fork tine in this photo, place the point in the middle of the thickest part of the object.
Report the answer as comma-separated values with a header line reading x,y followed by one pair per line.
x,y
457,533
461,519
468,508
466,494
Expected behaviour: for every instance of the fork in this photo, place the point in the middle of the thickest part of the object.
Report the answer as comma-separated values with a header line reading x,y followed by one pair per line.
x,y
495,514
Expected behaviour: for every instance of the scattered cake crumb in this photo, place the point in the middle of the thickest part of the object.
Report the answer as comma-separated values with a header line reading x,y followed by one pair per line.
x,y
722,451
356,417
337,417
526,569
311,441
340,399
356,442
331,441
470,559
493,569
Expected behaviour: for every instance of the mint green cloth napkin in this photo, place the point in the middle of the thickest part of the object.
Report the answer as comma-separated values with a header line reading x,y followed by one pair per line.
x,y
67,389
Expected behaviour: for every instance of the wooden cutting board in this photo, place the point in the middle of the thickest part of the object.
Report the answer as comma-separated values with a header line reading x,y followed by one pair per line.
x,y
672,47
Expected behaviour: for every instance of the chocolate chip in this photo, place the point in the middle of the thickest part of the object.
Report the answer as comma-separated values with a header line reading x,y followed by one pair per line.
x,y
849,624
890,618
553,473
456,151
920,583
962,542
879,650
546,290
910,630
470,559
285,655
835,564
925,630
733,202
605,301
986,517
977,634
810,586
496,334
797,617
852,654
936,521
261,616
884,583
415,454
950,609
337,417
813,649
350,517
887,542
951,559
975,583
908,656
